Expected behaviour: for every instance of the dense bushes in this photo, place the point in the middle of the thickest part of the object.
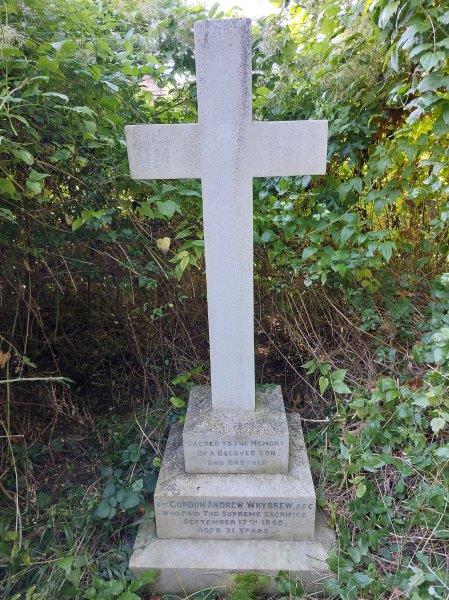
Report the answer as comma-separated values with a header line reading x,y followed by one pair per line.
x,y
102,285
81,242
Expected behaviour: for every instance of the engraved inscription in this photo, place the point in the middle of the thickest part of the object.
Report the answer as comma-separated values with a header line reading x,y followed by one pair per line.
x,y
244,518
236,453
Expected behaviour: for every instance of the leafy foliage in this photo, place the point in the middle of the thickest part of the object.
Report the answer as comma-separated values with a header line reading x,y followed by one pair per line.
x,y
104,284
246,585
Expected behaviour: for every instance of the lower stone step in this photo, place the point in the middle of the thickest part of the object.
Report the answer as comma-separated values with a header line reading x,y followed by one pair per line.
x,y
185,566
265,506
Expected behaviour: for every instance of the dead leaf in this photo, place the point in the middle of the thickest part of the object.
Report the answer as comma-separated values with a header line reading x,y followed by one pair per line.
x,y
357,428
415,383
4,358
164,244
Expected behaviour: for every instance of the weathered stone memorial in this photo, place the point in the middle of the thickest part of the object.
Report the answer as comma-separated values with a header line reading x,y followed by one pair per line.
x,y
235,492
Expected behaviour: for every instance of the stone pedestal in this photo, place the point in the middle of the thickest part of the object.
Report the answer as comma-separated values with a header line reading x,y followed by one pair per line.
x,y
212,524
236,441
244,506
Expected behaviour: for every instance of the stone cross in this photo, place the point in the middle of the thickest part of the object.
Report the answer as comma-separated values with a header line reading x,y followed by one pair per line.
x,y
226,149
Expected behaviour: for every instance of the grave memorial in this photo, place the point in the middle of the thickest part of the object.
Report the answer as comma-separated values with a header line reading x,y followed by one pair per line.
x,y
235,492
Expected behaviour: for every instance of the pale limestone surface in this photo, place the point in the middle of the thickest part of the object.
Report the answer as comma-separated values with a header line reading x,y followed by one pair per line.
x,y
186,566
235,506
287,148
226,149
217,441
223,71
275,149
173,149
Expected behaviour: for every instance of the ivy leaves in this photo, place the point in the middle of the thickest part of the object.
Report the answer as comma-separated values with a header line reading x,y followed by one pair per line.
x,y
124,494
119,590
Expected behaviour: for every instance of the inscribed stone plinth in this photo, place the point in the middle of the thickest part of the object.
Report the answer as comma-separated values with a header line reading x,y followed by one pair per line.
x,y
235,506
186,566
218,441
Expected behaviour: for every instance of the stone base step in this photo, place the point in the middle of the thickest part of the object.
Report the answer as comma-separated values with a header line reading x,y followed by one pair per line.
x,y
186,566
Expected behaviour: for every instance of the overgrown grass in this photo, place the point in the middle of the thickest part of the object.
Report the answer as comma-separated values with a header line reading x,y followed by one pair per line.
x,y
61,543
377,454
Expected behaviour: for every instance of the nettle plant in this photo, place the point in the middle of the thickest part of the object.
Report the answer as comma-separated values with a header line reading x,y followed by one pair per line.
x,y
71,75
328,377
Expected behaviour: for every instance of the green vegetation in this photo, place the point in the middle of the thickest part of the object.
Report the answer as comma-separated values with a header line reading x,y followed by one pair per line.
x,y
103,323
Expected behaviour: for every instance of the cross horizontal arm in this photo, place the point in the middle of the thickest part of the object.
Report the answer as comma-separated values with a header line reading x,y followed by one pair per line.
x,y
283,148
275,149
163,151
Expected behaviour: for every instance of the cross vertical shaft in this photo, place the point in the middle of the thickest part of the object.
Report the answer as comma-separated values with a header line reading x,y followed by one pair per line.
x,y
223,66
